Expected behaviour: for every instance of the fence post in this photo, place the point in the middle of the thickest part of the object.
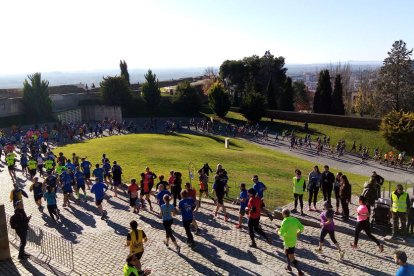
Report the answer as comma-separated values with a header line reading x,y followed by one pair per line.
x,y
4,237
389,189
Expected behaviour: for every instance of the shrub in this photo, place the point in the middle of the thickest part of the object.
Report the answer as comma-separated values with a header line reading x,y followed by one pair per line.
x,y
253,107
187,99
397,127
218,100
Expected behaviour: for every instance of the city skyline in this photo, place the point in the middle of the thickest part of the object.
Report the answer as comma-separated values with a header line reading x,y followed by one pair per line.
x,y
94,35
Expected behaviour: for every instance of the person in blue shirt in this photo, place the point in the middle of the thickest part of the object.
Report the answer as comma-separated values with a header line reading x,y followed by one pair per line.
x,y
50,198
70,165
243,200
161,192
66,182
98,173
400,258
186,208
86,169
37,189
99,189
260,187
107,171
167,211
23,162
80,183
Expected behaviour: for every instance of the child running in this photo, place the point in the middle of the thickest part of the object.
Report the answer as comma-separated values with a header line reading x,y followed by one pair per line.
x,y
167,212
328,227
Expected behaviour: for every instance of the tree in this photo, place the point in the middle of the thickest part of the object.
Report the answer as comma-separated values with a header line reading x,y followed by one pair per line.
x,y
115,91
397,127
151,91
396,79
187,99
337,106
36,100
286,99
364,102
124,71
301,96
322,99
345,70
219,100
253,106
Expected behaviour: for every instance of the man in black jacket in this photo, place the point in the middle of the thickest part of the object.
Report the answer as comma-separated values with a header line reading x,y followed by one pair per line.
x,y
21,222
327,181
380,181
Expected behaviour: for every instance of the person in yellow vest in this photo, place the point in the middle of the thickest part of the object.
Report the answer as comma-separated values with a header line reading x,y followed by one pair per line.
x,y
299,186
11,161
135,242
130,268
49,163
32,165
400,204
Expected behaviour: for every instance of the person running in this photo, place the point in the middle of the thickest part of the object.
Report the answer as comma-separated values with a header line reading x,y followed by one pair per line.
x,y
130,268
38,190
171,179
135,241
186,207
299,187
289,230
162,191
260,188
163,182
11,162
80,183
345,193
51,181
400,258
176,188
167,211
192,193
145,192
328,227
253,211
363,224
117,177
243,200
98,173
149,179
32,165
24,162
17,194
86,169
133,196
107,172
99,189
219,189
67,181
203,182
50,198
313,187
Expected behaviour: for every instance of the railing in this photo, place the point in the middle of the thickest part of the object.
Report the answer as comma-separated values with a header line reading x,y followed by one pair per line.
x,y
407,184
48,245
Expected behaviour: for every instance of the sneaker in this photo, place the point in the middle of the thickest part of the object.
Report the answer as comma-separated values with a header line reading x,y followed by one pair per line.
x,y
353,245
253,245
166,243
341,254
302,213
238,226
288,268
318,250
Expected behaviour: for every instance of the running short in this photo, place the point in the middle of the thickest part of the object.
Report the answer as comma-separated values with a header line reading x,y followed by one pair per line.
x,y
87,175
220,198
116,183
132,201
242,211
69,191
98,202
139,255
290,250
38,197
108,175
81,187
32,172
145,193
11,168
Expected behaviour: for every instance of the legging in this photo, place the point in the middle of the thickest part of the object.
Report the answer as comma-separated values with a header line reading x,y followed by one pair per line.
x,y
176,195
331,233
313,193
52,211
300,197
337,197
187,224
364,225
253,225
168,230
345,208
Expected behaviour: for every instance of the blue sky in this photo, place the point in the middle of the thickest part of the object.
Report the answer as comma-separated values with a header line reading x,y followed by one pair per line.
x,y
49,35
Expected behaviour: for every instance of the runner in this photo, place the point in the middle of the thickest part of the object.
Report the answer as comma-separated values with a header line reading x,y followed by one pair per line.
x,y
51,181
145,192
23,162
328,227
167,211
117,179
80,183
313,187
299,186
161,193
260,189
50,198
363,224
133,196
135,241
99,189
16,195
289,230
192,193
32,165
219,188
130,268
253,211
203,182
67,180
186,208
38,190
11,161
107,172
400,258
176,188
243,200
98,173
86,169
149,180
163,182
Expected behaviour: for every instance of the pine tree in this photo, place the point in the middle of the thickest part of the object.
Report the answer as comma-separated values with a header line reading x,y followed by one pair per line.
x,y
337,106
36,100
322,100
124,71
286,99
151,91
115,91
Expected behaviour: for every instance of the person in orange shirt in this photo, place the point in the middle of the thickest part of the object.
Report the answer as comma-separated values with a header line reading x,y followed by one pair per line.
x,y
145,191
133,195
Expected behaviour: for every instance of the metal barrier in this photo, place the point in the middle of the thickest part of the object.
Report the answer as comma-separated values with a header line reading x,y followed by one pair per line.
x,y
408,187
49,245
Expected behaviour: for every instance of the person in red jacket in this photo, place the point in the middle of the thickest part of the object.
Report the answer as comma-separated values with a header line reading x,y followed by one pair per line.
x,y
253,211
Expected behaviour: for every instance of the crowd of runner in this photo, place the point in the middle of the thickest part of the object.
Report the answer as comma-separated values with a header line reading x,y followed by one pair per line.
x,y
75,176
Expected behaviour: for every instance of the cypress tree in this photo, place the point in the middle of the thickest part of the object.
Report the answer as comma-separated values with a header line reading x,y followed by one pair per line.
x,y
286,99
322,100
337,106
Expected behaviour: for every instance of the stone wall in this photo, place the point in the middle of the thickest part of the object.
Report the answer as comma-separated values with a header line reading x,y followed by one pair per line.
x,y
100,112
11,107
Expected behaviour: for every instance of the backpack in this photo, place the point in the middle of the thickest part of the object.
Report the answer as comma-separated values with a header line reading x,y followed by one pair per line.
x,y
14,221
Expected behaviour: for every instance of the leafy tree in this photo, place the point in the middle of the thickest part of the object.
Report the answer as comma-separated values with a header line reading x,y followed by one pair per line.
x,y
187,99
396,79
124,71
151,91
397,127
286,99
253,106
219,100
322,99
364,103
301,96
115,91
36,100
337,106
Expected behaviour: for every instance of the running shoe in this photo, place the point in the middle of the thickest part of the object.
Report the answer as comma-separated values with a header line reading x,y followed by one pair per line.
x,y
166,243
318,250
270,217
238,226
341,254
288,268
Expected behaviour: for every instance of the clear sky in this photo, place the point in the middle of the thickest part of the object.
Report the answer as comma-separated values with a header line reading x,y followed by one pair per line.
x,y
62,35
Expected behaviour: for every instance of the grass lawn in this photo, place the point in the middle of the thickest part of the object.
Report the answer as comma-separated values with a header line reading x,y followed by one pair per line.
x,y
163,153
370,138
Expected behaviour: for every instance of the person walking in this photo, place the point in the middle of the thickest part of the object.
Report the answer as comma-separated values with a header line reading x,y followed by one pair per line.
x,y
327,180
400,205
328,227
289,230
20,223
314,179
135,241
253,211
345,194
299,186
363,224
167,211
400,258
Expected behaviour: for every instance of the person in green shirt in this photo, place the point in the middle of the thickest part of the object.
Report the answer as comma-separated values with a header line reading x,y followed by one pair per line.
x,y
289,230
11,161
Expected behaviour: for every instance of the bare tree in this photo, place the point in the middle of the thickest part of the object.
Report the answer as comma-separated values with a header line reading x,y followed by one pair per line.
x,y
210,72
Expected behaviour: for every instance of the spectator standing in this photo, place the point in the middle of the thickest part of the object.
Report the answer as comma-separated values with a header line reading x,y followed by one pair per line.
x,y
400,204
20,223
314,179
380,181
327,180
299,186
345,193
